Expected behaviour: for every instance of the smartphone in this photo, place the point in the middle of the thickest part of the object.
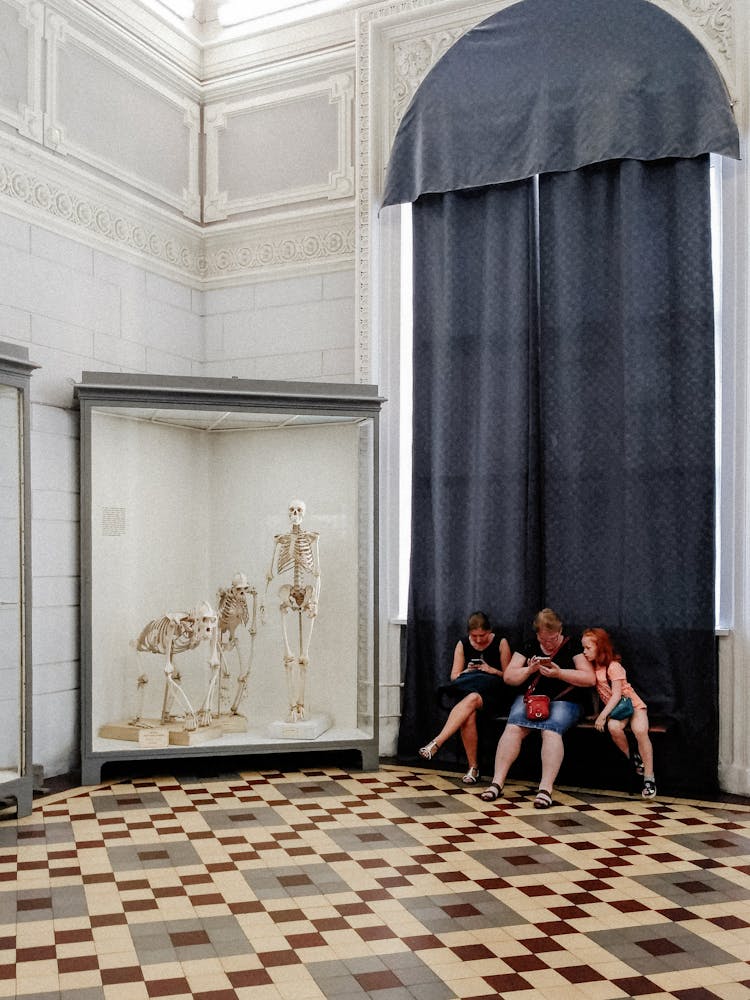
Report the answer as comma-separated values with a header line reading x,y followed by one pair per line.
x,y
475,664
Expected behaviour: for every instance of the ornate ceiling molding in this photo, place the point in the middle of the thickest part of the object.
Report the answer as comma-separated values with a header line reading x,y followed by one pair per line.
x,y
103,219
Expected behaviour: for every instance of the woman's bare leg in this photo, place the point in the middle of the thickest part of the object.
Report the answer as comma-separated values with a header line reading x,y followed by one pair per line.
x,y
470,739
459,715
507,751
553,751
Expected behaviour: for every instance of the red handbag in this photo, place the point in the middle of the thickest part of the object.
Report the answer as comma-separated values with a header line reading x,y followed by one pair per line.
x,y
537,705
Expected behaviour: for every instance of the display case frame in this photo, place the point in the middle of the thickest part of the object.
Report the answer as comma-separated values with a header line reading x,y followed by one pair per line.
x,y
16,776
222,453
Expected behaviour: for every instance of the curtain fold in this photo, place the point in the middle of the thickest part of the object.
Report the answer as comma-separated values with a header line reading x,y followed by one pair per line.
x,y
628,433
475,492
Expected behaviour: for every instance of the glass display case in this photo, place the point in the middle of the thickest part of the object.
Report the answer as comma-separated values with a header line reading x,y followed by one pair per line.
x,y
229,568
16,773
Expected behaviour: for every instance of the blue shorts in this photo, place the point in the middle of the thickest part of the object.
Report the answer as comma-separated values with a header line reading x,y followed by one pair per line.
x,y
563,715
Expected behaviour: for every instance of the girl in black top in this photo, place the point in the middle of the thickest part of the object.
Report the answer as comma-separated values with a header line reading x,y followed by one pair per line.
x,y
479,660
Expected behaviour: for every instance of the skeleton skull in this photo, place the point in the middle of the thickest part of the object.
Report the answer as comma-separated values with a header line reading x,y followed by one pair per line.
x,y
296,511
205,620
240,584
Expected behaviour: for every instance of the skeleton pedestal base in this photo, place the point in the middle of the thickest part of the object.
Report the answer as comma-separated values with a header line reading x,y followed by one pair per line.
x,y
306,729
233,723
177,734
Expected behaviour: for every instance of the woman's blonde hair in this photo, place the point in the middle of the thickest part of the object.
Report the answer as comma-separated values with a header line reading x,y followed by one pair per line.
x,y
548,620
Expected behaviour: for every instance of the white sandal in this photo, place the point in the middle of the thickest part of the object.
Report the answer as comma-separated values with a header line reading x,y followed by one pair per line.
x,y
471,777
429,751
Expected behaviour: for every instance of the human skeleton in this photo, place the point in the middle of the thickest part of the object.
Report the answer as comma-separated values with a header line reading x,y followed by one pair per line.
x,y
233,612
296,553
173,634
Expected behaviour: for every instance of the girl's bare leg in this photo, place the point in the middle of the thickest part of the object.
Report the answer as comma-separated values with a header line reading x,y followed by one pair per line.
x,y
639,726
617,732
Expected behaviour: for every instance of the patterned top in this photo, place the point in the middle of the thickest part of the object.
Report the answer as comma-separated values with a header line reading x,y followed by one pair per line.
x,y
615,672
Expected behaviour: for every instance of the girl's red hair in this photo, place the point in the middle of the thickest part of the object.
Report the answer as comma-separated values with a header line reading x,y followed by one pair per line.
x,y
605,651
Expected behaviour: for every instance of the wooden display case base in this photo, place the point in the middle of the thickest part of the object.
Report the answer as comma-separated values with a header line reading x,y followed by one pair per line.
x,y
152,733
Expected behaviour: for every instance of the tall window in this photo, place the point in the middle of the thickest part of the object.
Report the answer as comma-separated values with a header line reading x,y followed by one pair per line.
x,y
724,405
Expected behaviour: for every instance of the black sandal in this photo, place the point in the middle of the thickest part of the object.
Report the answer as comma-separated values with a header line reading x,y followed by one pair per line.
x,y
543,799
491,793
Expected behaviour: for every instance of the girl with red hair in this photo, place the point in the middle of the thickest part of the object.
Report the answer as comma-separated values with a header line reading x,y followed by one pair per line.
x,y
614,690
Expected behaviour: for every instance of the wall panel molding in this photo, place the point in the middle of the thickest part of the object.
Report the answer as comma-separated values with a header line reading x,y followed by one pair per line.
x,y
25,113
128,87
338,90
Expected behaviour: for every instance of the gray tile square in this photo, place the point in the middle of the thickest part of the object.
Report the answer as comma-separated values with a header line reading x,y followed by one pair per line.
x,y
467,911
718,844
241,816
313,789
661,948
694,887
433,803
317,879
529,860
188,940
164,854
122,801
372,839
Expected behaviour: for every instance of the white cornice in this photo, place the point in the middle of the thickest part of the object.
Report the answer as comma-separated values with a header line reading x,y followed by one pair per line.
x,y
54,194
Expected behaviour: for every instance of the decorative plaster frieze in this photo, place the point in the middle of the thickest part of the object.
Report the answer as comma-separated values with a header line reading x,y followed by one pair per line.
x,y
716,20
297,246
412,60
81,216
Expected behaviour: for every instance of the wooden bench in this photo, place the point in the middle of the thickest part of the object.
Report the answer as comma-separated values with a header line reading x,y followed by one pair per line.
x,y
590,760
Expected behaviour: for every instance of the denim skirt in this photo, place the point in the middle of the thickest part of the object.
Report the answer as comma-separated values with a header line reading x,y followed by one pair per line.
x,y
563,715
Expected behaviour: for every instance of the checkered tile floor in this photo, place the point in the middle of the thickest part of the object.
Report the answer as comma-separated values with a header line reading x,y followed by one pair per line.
x,y
393,885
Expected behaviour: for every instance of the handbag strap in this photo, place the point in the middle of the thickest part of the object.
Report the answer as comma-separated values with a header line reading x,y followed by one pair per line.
x,y
530,689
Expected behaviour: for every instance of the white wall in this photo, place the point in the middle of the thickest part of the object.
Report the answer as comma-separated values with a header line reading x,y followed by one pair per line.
x,y
295,328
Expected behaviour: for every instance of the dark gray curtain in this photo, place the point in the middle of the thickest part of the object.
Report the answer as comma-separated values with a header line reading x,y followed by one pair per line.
x,y
475,523
564,434
627,400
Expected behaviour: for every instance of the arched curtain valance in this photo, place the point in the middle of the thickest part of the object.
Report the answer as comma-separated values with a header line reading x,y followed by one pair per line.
x,y
547,86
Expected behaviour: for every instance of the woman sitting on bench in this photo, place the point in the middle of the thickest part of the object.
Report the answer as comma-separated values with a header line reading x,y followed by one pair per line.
x,y
553,665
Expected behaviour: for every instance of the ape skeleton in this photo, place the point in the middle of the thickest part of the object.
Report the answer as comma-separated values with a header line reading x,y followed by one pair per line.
x,y
233,612
176,633
296,552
